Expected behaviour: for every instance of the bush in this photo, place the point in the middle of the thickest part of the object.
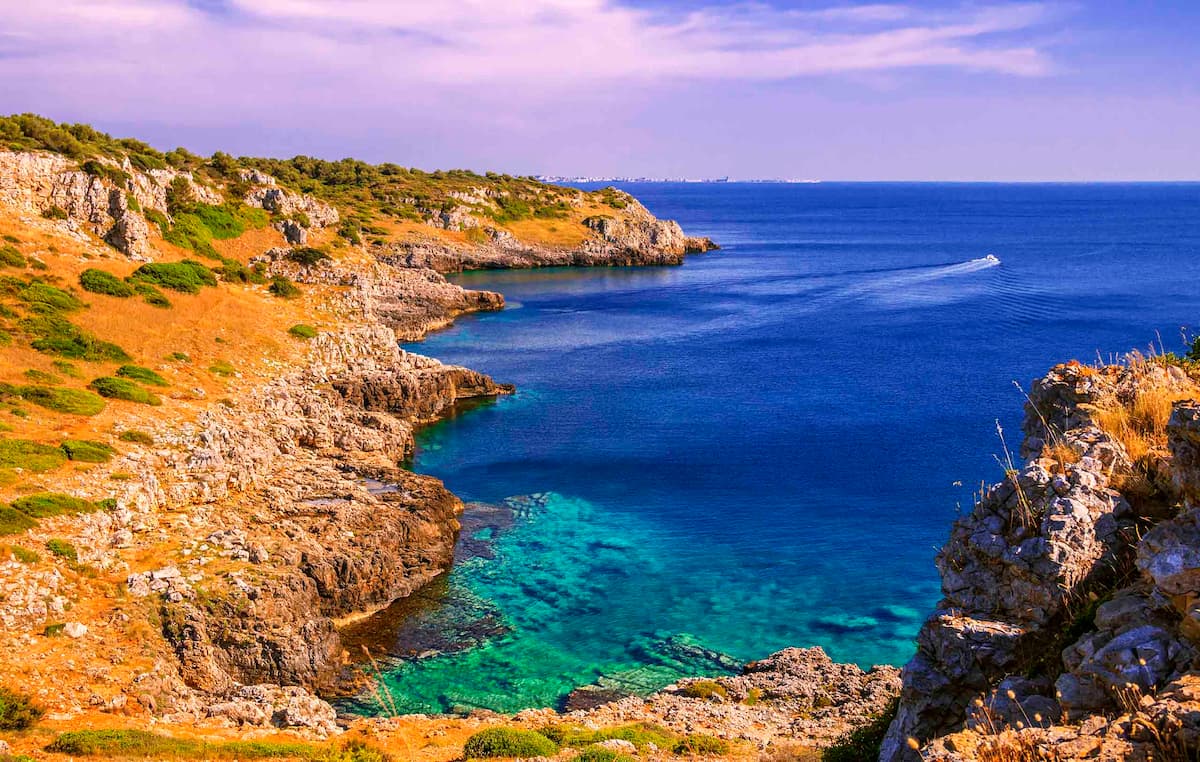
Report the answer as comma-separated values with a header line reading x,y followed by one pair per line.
x,y
121,389
145,375
31,456
139,437
302,331
49,297
307,256
601,754
222,368
188,276
62,549
58,399
508,742
152,296
42,377
179,357
66,368
283,287
101,282
10,257
17,711
697,743
55,213
13,521
47,504
141,744
56,335
87,451
640,734
862,742
25,556
704,689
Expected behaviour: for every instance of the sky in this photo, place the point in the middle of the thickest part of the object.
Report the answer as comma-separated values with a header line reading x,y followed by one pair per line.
x,y
1105,90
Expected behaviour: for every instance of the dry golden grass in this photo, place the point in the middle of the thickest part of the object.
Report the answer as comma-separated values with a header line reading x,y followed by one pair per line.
x,y
1061,454
1141,424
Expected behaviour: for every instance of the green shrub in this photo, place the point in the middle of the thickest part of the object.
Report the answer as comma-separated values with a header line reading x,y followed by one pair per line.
x,y
11,257
159,219
307,256
87,451
49,297
704,689
862,742
25,556
66,368
62,549
283,287
188,276
13,521
31,456
753,696
55,213
508,742
56,335
640,734
222,368
47,504
122,389
54,630
145,375
17,711
42,377
698,743
141,744
58,398
133,435
302,331
101,282
601,754
152,296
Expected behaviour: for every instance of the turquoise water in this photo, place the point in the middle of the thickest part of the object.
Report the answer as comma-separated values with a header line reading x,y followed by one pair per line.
x,y
764,447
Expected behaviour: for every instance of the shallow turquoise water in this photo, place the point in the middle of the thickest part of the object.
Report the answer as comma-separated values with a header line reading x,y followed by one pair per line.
x,y
765,446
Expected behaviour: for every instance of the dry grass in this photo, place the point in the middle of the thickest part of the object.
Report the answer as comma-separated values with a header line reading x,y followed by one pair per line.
x,y
1013,746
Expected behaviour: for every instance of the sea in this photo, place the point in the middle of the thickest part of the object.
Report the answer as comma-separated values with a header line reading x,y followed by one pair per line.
x,y
765,446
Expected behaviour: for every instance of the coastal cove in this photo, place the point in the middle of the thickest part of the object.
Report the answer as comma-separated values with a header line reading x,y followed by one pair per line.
x,y
764,447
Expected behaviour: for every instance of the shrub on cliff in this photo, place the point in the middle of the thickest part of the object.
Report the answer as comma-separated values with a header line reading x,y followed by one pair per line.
x,y
11,257
17,711
508,742
145,375
13,521
55,213
282,287
62,549
700,744
188,276
862,742
307,256
601,754
122,389
302,331
101,282
58,399
704,689
138,437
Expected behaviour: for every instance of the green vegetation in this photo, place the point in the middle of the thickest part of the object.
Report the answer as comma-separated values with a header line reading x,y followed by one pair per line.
x,y
62,549
66,368
141,744
187,277
179,357
705,689
122,389
25,556
698,743
57,398
152,296
108,172
283,287
31,456
45,297
862,742
30,132
46,504
640,734
11,257
307,256
101,282
54,630
139,437
508,742
222,368
145,375
42,377
601,754
55,213
13,521
302,331
56,335
17,711
87,451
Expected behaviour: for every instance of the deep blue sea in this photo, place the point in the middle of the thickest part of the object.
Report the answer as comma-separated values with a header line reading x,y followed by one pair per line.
x,y
764,447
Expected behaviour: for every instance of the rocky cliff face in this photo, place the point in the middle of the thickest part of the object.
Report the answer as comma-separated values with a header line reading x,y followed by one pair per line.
x,y
1069,589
